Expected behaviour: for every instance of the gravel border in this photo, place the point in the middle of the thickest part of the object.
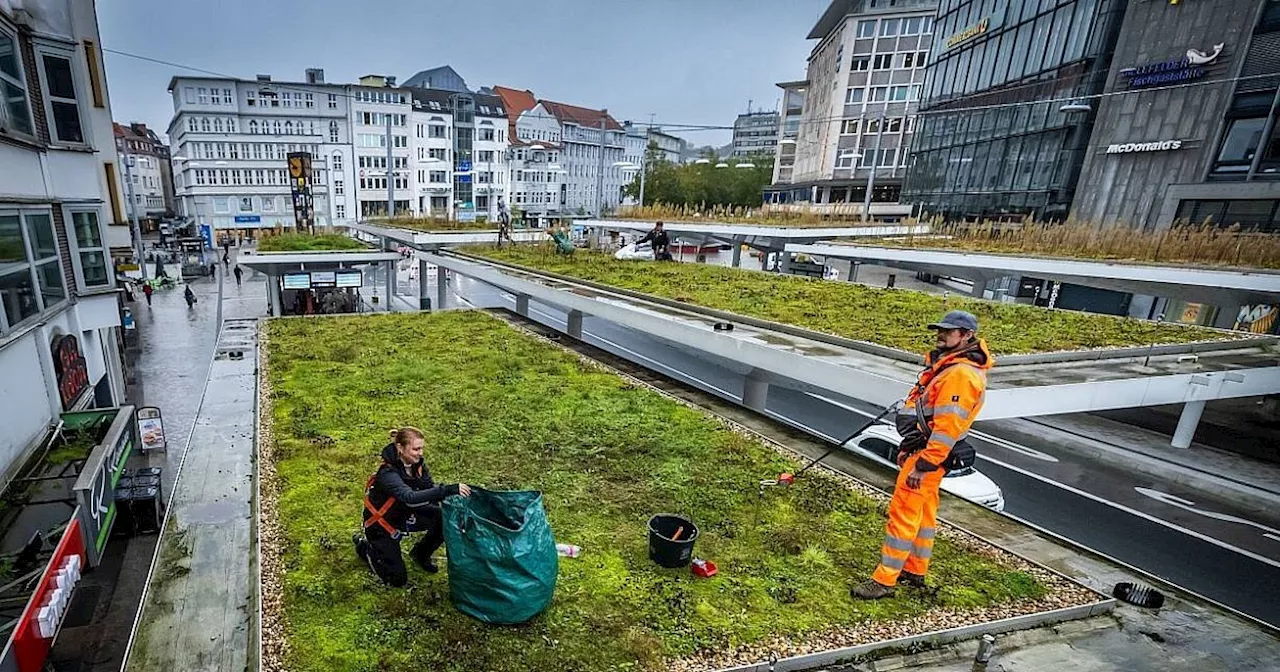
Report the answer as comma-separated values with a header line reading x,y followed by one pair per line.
x,y
1061,592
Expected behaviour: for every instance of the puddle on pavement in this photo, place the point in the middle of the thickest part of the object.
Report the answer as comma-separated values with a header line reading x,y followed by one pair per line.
x,y
222,511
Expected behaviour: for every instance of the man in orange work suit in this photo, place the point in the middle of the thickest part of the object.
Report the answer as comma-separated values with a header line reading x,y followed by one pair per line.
x,y
934,423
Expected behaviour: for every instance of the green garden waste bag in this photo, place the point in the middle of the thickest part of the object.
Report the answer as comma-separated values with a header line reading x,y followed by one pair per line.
x,y
502,555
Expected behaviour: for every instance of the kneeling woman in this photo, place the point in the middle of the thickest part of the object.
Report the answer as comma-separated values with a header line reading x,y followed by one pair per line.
x,y
401,498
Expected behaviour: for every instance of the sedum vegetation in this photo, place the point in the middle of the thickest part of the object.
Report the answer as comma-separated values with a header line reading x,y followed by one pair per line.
x,y
894,318
304,242
433,224
505,410
1205,244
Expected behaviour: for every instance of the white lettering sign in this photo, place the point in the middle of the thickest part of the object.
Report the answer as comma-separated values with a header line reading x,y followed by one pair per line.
x,y
1130,147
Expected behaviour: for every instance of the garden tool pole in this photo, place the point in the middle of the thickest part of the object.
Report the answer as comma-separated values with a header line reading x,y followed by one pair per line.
x,y
852,436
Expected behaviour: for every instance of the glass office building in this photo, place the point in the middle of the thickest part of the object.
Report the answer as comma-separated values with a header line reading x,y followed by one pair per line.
x,y
997,133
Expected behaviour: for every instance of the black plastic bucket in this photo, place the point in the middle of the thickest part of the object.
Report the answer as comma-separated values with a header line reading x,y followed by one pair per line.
x,y
662,549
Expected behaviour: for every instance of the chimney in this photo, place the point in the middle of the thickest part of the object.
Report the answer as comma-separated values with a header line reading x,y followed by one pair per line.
x,y
139,128
391,81
264,78
315,75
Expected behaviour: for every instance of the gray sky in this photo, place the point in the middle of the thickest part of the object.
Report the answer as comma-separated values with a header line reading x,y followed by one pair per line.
x,y
687,61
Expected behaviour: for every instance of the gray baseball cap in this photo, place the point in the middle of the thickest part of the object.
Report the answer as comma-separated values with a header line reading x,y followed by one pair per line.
x,y
957,319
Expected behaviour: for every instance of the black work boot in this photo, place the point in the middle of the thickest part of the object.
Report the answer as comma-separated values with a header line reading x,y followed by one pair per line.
x,y
422,555
872,590
913,580
358,540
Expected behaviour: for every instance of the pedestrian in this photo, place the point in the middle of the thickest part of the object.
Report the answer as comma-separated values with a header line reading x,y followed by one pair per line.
x,y
504,222
190,296
401,498
147,290
239,275
226,260
659,241
946,399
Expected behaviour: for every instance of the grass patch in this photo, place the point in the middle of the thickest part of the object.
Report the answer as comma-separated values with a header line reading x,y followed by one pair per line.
x,y
1186,244
303,242
504,410
431,224
766,215
895,318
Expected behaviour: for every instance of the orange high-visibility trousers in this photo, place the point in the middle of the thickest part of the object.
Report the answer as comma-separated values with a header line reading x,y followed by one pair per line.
x,y
912,524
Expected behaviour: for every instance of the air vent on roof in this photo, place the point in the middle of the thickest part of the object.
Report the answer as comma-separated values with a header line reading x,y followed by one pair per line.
x,y
264,78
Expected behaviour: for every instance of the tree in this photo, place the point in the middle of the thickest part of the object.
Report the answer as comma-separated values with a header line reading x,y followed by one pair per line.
x,y
702,184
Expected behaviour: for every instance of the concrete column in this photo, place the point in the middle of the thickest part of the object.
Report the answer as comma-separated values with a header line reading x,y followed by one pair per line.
x,y
574,324
1187,423
442,288
755,391
979,287
391,285
784,261
522,304
737,252
853,270
424,296
273,288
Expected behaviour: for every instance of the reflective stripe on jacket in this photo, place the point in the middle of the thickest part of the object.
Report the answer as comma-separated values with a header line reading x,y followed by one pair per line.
x,y
947,398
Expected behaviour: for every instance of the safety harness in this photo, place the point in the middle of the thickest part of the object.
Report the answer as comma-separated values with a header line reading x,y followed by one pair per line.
x,y
377,515
959,457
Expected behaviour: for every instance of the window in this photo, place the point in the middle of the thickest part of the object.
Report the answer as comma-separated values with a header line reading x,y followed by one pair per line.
x,y
200,180
311,100
251,98
889,27
226,96
846,158
484,156
439,154
217,124
340,211
888,156
339,187
911,26
879,448
337,161
899,92
849,126
202,95
333,101
486,134
913,92
60,92
189,95
878,93
221,205
867,28
854,96
926,25
275,127
860,63
30,271
1239,145
883,61
204,125
437,131
253,127
400,141
893,125
235,150
438,176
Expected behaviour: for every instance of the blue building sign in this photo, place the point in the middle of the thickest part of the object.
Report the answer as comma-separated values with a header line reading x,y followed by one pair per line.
x,y
248,219
206,232
464,165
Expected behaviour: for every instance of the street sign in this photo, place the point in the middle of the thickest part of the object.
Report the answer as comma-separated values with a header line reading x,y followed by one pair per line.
x,y
464,165
248,219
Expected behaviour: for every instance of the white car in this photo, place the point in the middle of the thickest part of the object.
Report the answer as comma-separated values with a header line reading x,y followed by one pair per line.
x,y
632,252
880,444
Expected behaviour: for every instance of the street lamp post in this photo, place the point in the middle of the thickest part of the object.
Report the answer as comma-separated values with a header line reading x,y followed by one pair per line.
x,y
871,178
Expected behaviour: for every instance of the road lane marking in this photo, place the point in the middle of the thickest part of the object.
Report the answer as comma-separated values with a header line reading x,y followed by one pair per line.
x,y
1076,491
1188,505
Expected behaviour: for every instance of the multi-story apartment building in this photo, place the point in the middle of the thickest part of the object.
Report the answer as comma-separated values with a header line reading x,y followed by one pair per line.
x,y
593,161
380,115
793,94
144,161
755,133
666,147
864,80
538,185
231,140
60,346
460,142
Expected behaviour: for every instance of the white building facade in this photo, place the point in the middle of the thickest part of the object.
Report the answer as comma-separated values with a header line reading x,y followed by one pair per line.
x,y
231,139
859,102
593,180
60,311
144,165
538,186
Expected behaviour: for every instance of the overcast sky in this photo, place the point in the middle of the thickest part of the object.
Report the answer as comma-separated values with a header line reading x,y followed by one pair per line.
x,y
687,61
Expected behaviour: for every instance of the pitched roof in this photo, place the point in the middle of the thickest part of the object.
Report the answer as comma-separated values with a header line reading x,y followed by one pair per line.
x,y
582,116
516,102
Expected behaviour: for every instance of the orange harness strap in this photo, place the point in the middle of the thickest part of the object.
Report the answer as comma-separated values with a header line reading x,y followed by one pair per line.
x,y
378,514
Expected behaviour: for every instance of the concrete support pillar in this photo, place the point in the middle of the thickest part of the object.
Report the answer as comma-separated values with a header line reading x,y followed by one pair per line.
x,y
424,295
784,261
273,289
391,285
574,324
755,391
522,304
1187,423
442,288
737,252
853,270
979,287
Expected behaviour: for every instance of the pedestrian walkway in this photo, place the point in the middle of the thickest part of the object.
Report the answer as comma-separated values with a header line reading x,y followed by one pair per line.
x,y
197,608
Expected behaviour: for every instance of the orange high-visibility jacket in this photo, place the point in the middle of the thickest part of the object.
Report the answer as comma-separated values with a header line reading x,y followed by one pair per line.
x,y
947,398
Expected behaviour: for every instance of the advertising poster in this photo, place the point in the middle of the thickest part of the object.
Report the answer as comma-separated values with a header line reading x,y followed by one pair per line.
x,y
151,429
1262,318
